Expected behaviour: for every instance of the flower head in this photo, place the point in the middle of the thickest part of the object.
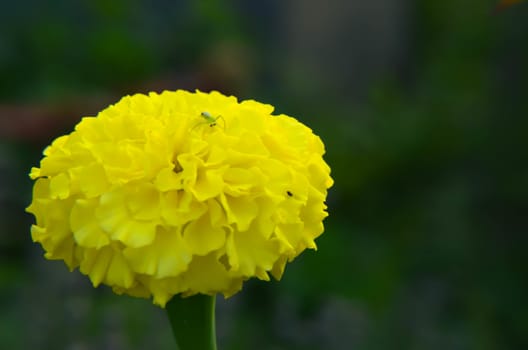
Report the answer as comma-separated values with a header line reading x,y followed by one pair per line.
x,y
180,193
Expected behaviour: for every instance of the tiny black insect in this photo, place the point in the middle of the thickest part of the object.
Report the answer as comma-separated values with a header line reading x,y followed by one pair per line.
x,y
289,194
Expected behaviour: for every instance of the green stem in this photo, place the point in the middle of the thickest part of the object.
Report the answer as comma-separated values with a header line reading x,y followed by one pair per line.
x,y
193,321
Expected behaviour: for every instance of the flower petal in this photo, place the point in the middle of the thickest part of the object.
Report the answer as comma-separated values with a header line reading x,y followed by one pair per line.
x,y
168,255
85,228
202,238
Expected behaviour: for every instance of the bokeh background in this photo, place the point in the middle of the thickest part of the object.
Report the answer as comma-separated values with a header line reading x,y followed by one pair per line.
x,y
422,105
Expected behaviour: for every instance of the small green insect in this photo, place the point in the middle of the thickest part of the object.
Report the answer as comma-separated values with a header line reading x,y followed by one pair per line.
x,y
209,120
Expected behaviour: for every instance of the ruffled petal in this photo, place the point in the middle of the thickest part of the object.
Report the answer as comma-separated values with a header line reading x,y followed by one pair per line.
x,y
202,237
207,275
85,228
168,255
107,265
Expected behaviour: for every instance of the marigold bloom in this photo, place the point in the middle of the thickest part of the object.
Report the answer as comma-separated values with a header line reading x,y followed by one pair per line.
x,y
180,192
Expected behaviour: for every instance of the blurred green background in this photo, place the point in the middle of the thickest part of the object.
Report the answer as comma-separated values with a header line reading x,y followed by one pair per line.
x,y
422,105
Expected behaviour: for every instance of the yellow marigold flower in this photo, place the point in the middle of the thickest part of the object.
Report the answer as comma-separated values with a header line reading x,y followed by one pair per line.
x,y
180,193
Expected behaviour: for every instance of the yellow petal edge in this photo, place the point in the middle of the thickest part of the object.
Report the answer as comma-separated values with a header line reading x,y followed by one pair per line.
x,y
180,193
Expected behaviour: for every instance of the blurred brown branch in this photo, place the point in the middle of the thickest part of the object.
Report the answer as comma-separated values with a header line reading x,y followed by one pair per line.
x,y
39,122
504,4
